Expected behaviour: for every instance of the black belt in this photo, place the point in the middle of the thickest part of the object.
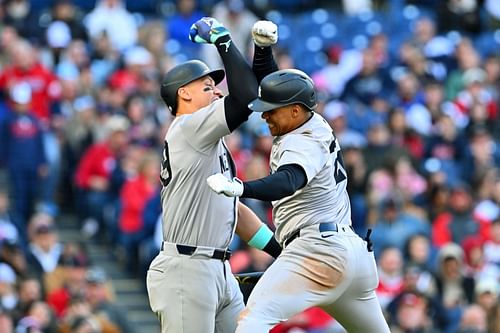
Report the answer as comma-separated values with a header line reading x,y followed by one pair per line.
x,y
189,250
322,227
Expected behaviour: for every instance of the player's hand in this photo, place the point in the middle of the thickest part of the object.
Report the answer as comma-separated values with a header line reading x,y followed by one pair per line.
x,y
221,185
264,33
207,30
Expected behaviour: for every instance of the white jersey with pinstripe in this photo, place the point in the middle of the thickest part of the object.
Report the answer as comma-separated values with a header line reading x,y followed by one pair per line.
x,y
193,293
314,147
194,149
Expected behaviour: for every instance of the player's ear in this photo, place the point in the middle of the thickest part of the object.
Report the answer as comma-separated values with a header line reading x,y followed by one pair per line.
x,y
184,93
296,110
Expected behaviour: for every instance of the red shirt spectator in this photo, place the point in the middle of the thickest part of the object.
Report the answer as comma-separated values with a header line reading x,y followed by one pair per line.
x,y
134,196
98,162
25,67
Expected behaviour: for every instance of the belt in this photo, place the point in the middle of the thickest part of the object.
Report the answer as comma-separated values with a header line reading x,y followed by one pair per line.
x,y
327,226
189,250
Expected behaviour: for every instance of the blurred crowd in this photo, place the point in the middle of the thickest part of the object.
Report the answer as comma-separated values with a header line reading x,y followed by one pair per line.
x,y
82,128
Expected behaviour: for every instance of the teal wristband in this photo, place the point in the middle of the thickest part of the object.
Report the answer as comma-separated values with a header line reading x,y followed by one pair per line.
x,y
260,239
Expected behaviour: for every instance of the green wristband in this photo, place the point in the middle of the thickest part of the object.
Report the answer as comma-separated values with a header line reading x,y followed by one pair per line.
x,y
260,239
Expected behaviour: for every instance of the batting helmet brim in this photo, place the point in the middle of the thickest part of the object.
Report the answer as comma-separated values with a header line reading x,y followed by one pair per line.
x,y
259,105
217,75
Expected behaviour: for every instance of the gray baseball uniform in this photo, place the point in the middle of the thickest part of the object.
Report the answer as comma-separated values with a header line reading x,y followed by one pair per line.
x,y
197,294
328,264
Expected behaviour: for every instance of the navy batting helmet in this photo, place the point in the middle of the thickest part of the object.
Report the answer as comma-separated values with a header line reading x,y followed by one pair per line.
x,y
284,87
183,74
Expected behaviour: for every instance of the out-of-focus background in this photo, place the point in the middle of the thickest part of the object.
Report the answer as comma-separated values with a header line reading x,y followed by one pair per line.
x,y
411,89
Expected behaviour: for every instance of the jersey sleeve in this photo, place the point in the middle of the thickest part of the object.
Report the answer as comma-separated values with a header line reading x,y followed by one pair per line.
x,y
206,126
305,151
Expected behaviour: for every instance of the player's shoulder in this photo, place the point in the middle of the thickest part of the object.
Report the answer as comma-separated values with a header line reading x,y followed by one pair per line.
x,y
203,114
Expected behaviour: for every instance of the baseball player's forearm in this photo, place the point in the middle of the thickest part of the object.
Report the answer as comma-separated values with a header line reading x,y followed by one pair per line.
x,y
283,183
248,222
257,234
263,62
241,82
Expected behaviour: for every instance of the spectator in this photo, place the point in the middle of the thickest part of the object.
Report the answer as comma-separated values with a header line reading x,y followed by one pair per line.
x,y
455,224
9,231
29,290
486,294
93,174
467,57
178,24
44,248
370,83
445,145
492,245
395,226
99,298
379,152
335,113
419,252
390,271
6,322
428,42
126,80
68,12
475,102
134,195
473,320
475,265
153,36
142,129
70,277
8,280
455,290
25,67
13,255
237,19
21,15
459,15
36,319
412,315
342,66
74,60
80,319
494,319
110,17
23,151
404,134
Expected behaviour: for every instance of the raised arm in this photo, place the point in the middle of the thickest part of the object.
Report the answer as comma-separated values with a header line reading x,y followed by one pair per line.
x,y
264,34
241,81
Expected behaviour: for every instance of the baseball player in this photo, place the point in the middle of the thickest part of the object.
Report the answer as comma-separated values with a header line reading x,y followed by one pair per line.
x,y
190,284
324,262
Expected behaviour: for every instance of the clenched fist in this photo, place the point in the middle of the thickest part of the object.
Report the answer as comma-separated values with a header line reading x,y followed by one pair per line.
x,y
222,185
264,33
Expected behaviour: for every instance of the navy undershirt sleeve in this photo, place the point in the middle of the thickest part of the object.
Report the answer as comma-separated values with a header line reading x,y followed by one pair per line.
x,y
263,62
284,182
241,83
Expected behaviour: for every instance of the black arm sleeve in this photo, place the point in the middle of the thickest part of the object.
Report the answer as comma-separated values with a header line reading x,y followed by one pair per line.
x,y
263,62
283,183
241,83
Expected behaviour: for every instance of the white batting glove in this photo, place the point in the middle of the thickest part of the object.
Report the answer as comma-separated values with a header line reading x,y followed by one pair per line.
x,y
264,33
221,185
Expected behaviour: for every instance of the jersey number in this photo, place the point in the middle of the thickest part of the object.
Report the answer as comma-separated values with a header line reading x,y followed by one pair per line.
x,y
166,171
339,172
